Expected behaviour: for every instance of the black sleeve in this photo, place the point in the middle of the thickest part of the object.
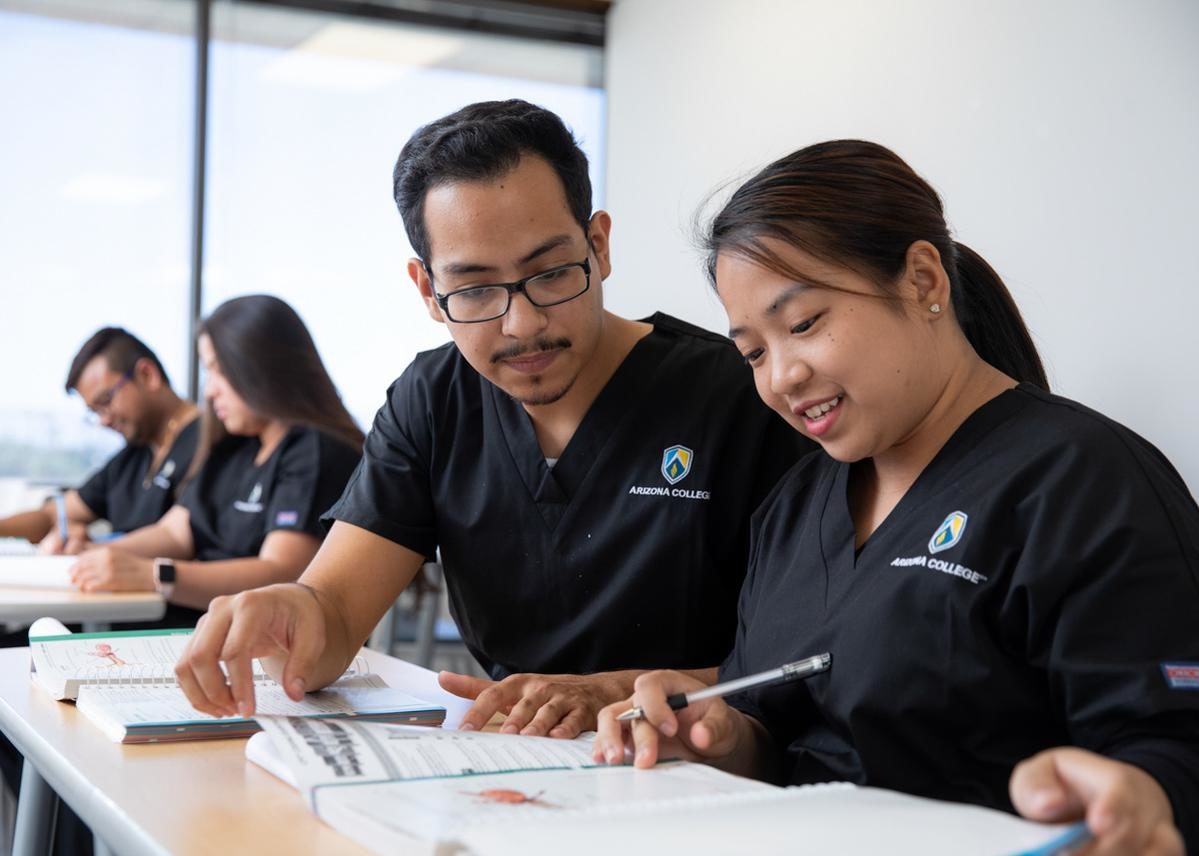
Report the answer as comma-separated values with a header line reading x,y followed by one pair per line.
x,y
94,491
313,470
1108,589
390,492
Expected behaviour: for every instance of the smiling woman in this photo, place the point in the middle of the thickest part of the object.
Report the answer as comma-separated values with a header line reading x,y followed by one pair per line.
x,y
979,674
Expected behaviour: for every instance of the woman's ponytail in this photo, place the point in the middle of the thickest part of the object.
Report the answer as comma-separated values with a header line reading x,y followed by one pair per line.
x,y
991,320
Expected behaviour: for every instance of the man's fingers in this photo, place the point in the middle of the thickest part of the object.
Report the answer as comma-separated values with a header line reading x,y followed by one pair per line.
x,y
198,670
463,686
487,703
573,724
526,698
547,716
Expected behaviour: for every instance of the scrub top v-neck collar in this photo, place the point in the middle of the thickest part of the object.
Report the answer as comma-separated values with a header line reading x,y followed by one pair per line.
x,y
837,533
553,488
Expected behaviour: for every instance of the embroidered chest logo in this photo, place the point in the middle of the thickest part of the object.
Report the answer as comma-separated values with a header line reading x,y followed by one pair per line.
x,y
949,532
676,463
675,466
163,479
252,504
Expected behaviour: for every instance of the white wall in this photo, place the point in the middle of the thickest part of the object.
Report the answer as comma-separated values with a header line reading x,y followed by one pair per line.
x,y
1063,136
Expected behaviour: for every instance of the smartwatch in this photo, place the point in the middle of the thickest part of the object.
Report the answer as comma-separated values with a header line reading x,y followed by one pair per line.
x,y
164,577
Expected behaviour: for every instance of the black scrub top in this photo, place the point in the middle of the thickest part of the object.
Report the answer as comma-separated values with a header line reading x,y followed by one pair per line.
x,y
628,552
1038,586
124,491
235,503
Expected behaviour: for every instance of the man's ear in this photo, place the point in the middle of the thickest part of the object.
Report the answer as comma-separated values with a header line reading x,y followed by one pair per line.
x,y
424,284
146,374
925,280
598,232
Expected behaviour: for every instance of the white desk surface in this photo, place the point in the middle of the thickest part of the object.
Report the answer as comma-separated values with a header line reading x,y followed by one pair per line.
x,y
29,604
199,797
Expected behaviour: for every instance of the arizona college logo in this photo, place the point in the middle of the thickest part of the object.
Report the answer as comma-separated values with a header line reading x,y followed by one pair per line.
x,y
676,463
948,533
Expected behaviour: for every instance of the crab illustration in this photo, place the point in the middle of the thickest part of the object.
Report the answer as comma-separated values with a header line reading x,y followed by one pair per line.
x,y
508,796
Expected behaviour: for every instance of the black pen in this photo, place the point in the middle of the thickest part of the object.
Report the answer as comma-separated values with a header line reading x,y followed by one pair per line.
x,y
788,672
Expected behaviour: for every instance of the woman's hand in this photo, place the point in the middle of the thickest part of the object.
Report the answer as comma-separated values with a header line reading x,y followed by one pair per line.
x,y
708,731
112,569
1125,808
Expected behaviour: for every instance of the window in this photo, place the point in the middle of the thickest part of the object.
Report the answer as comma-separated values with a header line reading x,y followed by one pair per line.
x,y
95,162
308,112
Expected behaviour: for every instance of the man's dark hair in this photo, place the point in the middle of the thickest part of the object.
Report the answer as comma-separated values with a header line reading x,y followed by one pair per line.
x,y
483,141
120,348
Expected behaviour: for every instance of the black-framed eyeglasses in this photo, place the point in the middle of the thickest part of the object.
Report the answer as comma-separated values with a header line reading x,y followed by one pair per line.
x,y
487,302
103,401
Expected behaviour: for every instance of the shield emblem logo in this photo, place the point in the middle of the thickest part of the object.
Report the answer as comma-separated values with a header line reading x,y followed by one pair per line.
x,y
949,532
676,463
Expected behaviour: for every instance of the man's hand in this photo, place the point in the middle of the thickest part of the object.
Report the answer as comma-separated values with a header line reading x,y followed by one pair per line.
x,y
1125,808
112,569
284,622
539,705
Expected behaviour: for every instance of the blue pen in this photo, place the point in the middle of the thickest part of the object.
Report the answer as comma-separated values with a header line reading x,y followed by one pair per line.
x,y
1069,841
60,503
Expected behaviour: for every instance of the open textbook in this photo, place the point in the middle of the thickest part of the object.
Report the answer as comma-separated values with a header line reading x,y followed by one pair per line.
x,y
31,571
125,683
397,789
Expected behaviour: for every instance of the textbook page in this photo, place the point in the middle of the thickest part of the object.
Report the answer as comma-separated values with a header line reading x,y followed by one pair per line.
x,y
43,572
815,819
328,752
17,547
414,786
64,663
125,711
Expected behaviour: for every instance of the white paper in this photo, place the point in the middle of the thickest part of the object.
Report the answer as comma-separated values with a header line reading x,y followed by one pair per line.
x,y
809,820
440,810
361,694
422,683
417,790
43,572
62,664
323,752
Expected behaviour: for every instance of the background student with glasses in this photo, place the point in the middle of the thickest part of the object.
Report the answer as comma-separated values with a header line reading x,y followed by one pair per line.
x,y
124,387
573,467
276,448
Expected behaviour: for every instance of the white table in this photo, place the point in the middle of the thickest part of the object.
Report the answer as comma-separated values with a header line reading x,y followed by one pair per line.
x,y
199,797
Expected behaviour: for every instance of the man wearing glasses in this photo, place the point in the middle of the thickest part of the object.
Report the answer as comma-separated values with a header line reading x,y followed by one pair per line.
x,y
575,469
125,388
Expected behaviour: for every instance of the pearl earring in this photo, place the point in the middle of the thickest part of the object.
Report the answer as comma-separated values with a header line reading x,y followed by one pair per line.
x,y
935,308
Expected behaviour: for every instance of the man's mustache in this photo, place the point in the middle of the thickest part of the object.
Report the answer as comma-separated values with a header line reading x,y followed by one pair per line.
x,y
535,347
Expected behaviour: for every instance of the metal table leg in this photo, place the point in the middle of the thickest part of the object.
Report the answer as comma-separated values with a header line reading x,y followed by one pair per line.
x,y
36,811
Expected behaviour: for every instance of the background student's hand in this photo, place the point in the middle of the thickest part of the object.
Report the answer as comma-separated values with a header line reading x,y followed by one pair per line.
x,y
283,624
1125,808
539,705
112,569
709,730
52,544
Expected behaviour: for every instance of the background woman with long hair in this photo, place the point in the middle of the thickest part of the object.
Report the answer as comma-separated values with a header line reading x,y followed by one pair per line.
x,y
1007,581
276,449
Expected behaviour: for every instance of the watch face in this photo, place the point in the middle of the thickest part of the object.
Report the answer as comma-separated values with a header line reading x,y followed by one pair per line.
x,y
166,572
